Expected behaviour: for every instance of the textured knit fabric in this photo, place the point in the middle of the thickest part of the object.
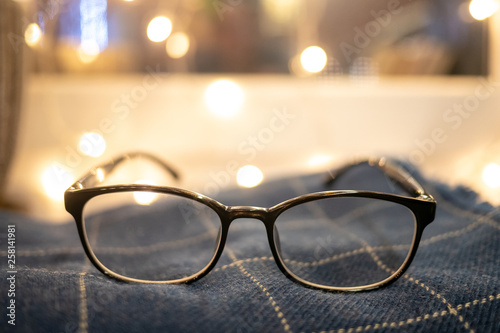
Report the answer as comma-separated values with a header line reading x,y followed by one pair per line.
x,y
453,284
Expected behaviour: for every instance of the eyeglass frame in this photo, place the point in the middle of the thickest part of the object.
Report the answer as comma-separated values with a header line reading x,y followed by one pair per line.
x,y
421,204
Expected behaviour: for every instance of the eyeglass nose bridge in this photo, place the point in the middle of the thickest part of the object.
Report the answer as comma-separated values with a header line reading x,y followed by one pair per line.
x,y
250,212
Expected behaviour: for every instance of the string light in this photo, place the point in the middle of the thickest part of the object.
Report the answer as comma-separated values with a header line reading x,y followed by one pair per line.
x,y
177,45
491,175
92,144
482,9
32,35
142,197
55,180
319,160
159,29
224,98
88,51
249,176
313,59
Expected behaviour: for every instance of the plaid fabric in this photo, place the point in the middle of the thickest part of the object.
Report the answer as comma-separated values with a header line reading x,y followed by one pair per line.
x,y
453,284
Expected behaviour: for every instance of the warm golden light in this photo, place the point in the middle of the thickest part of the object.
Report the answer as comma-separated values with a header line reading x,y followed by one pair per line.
x,y
224,98
56,180
159,29
482,9
32,34
99,174
88,51
319,160
177,45
249,176
145,198
491,175
92,144
281,11
313,59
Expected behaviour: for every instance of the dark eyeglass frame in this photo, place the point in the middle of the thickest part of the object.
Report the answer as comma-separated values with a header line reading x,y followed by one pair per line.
x,y
421,203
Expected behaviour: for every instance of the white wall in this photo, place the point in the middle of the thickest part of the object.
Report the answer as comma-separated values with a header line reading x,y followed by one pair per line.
x,y
408,118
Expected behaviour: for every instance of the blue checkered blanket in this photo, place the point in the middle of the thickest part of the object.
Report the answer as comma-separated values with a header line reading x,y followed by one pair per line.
x,y
453,284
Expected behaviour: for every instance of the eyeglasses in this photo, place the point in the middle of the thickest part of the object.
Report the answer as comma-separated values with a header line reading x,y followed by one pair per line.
x,y
333,240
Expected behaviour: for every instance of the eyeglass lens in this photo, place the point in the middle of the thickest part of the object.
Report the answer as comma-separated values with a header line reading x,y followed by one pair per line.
x,y
151,236
345,241
335,242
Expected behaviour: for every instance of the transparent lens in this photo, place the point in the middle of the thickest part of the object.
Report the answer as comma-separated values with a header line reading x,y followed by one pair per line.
x,y
345,241
151,236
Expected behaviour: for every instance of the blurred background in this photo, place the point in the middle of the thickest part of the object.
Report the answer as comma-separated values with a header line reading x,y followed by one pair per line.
x,y
256,36
233,92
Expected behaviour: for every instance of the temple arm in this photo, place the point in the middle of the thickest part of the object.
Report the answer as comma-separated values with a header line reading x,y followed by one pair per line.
x,y
394,172
98,174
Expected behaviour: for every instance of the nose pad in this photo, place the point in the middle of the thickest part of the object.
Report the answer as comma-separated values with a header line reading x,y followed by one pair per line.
x,y
277,240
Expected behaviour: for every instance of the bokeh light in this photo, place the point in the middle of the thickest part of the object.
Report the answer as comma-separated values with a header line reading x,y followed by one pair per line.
x,y
88,51
55,180
319,160
281,11
482,9
32,35
313,59
224,98
491,175
145,198
249,176
92,144
93,26
159,29
177,45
